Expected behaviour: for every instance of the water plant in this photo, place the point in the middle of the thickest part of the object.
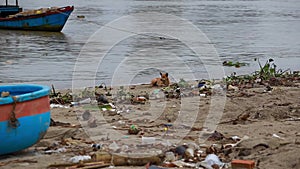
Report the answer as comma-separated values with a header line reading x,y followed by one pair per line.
x,y
235,64
267,72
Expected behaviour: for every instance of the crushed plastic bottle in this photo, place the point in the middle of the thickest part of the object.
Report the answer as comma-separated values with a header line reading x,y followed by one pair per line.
x,y
212,159
77,159
114,146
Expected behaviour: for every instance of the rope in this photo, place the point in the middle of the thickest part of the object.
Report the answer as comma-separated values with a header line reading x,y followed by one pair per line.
x,y
13,121
132,32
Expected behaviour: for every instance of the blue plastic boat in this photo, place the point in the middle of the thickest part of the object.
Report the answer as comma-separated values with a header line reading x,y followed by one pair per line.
x,y
24,116
44,19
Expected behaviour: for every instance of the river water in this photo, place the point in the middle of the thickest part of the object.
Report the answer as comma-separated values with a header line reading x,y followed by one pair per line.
x,y
239,30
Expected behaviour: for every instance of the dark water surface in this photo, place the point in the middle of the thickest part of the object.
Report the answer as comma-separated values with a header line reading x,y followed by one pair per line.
x,y
240,30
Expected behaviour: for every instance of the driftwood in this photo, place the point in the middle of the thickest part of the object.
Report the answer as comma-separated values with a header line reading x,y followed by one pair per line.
x,y
118,160
105,159
81,165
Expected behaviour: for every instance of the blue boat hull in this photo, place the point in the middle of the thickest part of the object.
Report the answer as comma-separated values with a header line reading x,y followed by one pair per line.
x,y
31,130
24,116
40,22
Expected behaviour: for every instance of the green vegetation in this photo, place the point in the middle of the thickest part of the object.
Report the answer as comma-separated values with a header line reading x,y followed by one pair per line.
x,y
267,73
235,64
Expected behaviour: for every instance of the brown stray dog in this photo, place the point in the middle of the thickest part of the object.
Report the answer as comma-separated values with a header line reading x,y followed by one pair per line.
x,y
162,81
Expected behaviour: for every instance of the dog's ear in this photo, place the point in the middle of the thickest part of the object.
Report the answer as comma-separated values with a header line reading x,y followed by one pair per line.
x,y
160,73
167,74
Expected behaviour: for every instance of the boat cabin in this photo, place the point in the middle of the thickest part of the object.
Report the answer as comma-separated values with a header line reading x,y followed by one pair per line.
x,y
8,9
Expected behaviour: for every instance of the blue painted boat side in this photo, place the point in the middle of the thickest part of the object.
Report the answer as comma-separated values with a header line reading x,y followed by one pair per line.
x,y
30,131
53,22
24,92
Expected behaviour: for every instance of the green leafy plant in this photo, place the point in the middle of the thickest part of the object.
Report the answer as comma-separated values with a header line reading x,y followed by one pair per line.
x,y
235,64
266,72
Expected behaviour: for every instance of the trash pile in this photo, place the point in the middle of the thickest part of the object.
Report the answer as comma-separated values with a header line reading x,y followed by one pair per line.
x,y
113,103
106,98
125,109
189,155
268,75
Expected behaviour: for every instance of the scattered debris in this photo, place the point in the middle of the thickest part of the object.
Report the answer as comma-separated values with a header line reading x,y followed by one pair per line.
x,y
276,136
77,159
123,109
114,146
181,164
233,88
183,84
213,161
216,136
61,99
138,99
97,146
119,160
58,106
292,119
235,138
101,98
180,150
59,150
237,164
85,101
202,95
62,124
133,130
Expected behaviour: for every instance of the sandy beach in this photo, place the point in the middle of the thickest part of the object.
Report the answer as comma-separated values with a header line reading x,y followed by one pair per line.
x,y
270,119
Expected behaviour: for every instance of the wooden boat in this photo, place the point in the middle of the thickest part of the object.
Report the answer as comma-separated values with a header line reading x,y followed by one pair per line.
x,y
24,116
44,19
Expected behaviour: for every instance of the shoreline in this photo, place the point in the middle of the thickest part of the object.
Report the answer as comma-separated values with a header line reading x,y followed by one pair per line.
x,y
283,63
269,117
